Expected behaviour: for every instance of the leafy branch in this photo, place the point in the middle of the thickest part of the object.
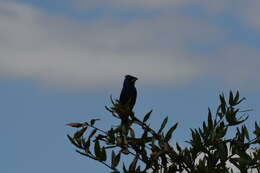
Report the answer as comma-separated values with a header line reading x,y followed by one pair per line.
x,y
209,150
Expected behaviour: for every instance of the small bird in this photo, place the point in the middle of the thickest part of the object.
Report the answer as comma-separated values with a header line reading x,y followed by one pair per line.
x,y
128,94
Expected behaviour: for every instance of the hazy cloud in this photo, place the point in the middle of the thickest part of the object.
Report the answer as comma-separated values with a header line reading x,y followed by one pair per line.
x,y
246,11
169,48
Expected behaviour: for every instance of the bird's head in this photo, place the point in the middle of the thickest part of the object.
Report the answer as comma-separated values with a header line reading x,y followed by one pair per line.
x,y
130,79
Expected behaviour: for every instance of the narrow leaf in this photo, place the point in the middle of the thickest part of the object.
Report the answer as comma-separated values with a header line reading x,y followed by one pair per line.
x,y
108,109
245,132
115,159
132,132
257,130
210,121
92,133
222,99
97,150
79,133
77,125
113,156
103,154
241,100
231,98
111,99
236,97
147,116
124,168
86,146
72,141
169,133
132,166
163,124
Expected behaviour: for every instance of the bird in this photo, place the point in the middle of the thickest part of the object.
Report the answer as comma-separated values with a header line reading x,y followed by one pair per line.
x,y
128,93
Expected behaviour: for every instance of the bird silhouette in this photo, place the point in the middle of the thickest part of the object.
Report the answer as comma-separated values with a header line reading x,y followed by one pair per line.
x,y
129,93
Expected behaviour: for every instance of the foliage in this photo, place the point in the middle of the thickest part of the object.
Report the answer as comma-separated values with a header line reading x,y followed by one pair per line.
x,y
210,149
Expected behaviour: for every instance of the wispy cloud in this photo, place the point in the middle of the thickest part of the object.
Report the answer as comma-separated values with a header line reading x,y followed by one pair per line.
x,y
169,48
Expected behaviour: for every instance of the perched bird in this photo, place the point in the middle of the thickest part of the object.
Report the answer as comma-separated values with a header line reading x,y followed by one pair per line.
x,y
128,93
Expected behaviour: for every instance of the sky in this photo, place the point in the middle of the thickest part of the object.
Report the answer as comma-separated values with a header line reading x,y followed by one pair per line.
x,y
61,60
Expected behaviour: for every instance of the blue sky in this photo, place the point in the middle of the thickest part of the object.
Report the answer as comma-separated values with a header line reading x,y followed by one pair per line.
x,y
60,61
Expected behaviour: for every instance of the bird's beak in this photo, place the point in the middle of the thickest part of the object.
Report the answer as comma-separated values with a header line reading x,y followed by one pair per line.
x,y
134,79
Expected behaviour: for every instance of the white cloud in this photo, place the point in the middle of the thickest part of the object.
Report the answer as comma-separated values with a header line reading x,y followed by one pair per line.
x,y
211,6
239,65
144,4
59,51
250,13
246,11
53,50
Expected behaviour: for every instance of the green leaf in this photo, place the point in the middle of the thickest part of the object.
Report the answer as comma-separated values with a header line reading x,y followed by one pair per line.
x,y
147,116
223,151
144,135
86,146
235,161
132,166
178,147
196,139
124,168
108,109
236,97
103,154
222,99
92,133
230,117
210,121
245,132
113,156
115,159
79,142
163,125
241,100
231,98
236,122
97,150
132,132
220,114
221,130
257,130
72,141
111,99
169,133
110,146
138,169
205,129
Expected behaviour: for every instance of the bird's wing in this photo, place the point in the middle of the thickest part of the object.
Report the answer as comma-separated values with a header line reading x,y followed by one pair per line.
x,y
123,95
